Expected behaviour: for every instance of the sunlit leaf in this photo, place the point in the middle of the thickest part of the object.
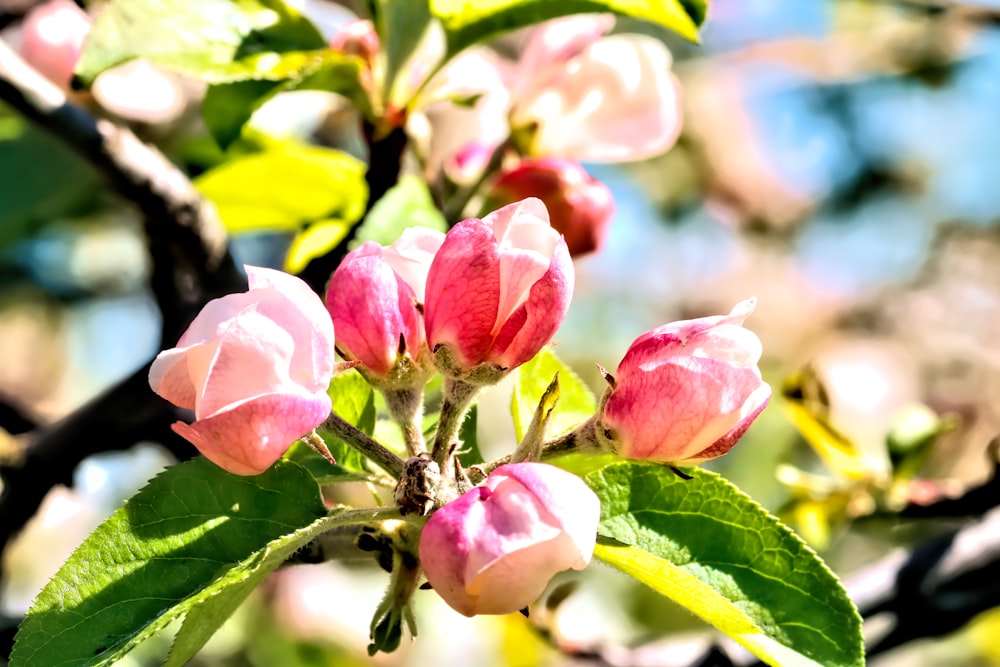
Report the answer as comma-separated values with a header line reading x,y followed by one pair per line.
x,y
406,204
228,106
190,534
576,401
354,401
314,241
286,188
216,40
400,26
467,22
807,405
710,548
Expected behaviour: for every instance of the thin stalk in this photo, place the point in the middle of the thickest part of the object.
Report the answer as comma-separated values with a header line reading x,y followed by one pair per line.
x,y
364,443
458,396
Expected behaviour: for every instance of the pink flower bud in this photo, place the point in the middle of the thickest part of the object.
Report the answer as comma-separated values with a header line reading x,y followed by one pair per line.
x,y
494,549
255,368
52,37
374,299
687,391
498,288
581,207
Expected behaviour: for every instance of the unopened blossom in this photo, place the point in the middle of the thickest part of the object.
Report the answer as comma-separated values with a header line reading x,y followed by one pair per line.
x,y
255,368
582,95
52,38
495,548
375,297
580,207
497,290
686,392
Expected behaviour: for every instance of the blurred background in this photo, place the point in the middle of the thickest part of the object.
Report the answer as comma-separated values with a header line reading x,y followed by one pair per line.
x,y
840,161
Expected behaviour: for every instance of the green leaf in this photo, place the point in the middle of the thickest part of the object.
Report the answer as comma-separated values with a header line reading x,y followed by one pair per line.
x,y
576,401
467,22
314,241
190,534
286,188
216,40
400,26
354,400
469,453
406,204
228,106
712,549
40,180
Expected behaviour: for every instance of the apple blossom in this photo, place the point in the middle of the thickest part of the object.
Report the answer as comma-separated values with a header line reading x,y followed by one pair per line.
x,y
580,95
495,548
497,290
255,368
687,391
374,298
52,37
580,207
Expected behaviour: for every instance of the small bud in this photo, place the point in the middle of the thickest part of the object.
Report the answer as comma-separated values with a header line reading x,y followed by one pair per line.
x,y
580,207
255,368
495,548
497,290
687,391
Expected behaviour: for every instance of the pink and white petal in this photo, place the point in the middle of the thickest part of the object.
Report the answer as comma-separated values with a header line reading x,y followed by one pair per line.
x,y
532,326
410,256
169,377
508,518
251,358
214,317
679,407
248,438
567,499
300,310
512,583
751,410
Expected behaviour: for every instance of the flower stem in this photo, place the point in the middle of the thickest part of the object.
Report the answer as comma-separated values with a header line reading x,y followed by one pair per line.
x,y
458,396
364,443
406,407
581,439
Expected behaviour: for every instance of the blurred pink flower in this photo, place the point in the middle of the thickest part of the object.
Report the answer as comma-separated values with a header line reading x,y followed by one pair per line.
x,y
580,95
374,298
255,368
687,391
499,287
580,207
52,38
495,548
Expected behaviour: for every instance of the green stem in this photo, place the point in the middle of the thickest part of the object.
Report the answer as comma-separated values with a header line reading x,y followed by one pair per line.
x,y
458,396
364,443
406,407
582,438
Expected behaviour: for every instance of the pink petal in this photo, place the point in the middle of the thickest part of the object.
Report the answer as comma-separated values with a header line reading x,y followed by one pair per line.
x,y
251,358
410,256
294,305
678,408
532,326
371,308
463,291
168,377
249,437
